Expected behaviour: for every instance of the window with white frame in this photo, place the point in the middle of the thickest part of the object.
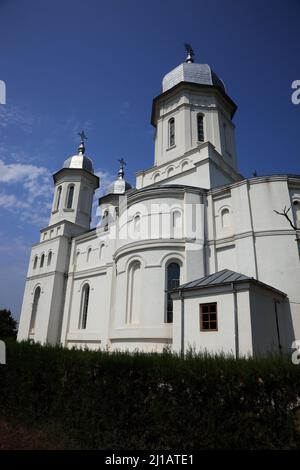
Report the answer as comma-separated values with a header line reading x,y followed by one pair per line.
x,y
84,306
171,132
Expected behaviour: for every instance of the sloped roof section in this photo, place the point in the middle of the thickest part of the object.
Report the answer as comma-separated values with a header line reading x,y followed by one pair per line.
x,y
221,277
224,277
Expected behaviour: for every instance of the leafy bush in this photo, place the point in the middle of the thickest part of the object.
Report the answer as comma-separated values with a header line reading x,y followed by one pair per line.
x,y
150,401
8,325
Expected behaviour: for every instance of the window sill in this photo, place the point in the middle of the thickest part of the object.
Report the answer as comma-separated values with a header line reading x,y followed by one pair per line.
x,y
171,148
68,210
54,212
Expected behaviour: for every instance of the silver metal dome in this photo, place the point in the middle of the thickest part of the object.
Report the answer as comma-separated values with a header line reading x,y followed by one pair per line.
x,y
193,73
120,185
79,161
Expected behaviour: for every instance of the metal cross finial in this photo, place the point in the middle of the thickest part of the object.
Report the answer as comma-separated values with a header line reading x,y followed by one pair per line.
x,y
82,136
190,54
81,148
122,162
121,169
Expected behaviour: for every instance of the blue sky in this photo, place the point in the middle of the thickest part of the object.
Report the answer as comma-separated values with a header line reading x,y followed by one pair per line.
x,y
98,64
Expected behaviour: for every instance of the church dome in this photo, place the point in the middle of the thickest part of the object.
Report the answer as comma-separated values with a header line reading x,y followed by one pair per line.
x,y
80,160
193,73
190,72
120,185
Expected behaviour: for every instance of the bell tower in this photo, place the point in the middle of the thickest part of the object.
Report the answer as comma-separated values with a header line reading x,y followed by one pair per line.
x,y
43,301
194,131
75,185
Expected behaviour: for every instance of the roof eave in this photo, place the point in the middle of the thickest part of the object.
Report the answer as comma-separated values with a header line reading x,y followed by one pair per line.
x,y
194,85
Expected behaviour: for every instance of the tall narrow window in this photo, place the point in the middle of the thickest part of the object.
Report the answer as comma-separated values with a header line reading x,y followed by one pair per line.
x,y
171,132
101,249
173,280
70,196
84,306
88,256
225,218
208,317
137,223
296,207
35,305
42,260
200,128
176,224
58,196
134,292
35,262
49,258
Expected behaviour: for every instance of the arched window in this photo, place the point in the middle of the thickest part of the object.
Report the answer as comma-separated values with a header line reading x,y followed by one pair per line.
x,y
49,258
134,285
88,256
172,281
84,306
58,196
36,298
171,132
76,259
42,260
225,218
35,262
176,224
101,249
176,219
296,207
105,220
170,171
137,223
156,177
70,196
200,128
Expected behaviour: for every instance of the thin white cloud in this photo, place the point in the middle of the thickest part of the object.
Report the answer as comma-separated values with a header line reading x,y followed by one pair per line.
x,y
11,115
15,172
26,191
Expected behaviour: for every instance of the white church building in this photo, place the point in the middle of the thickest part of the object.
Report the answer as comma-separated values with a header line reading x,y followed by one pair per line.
x,y
193,257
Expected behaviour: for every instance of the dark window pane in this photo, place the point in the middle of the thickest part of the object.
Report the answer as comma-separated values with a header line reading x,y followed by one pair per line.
x,y
200,128
208,316
173,281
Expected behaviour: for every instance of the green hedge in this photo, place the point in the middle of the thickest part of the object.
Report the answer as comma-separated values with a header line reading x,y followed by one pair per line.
x,y
138,401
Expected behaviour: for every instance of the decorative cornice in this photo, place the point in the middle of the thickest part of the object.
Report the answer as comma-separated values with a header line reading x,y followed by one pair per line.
x,y
147,245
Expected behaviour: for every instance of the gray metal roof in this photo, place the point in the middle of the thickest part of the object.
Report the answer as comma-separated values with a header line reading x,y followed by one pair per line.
x,y
221,277
193,73
79,161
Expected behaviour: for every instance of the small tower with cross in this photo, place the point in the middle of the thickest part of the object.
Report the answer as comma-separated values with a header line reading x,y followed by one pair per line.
x,y
75,185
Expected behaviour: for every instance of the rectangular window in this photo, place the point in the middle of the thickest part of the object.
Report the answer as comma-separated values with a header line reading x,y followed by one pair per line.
x,y
200,128
208,317
171,132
